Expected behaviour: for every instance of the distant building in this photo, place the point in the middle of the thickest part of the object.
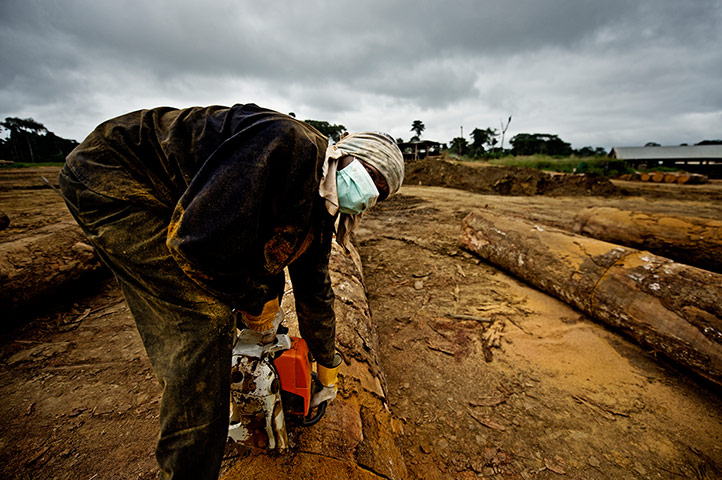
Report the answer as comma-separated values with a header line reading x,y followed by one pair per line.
x,y
705,159
420,149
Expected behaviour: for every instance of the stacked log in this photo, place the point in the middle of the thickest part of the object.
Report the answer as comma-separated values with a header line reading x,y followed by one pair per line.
x,y
356,437
691,240
682,178
671,308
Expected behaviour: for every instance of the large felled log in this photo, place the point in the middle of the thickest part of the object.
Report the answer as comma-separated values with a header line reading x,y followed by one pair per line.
x,y
691,240
42,262
356,437
673,308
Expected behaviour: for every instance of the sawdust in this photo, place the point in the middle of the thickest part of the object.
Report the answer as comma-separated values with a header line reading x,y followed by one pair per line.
x,y
569,349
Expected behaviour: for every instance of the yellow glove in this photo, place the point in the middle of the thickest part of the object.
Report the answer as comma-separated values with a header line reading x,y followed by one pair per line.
x,y
264,321
328,378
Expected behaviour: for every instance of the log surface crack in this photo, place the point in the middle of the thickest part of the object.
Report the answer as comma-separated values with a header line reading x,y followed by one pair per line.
x,y
592,294
365,468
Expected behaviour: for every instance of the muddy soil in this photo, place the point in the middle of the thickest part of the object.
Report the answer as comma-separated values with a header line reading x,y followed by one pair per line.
x,y
482,178
495,379
490,377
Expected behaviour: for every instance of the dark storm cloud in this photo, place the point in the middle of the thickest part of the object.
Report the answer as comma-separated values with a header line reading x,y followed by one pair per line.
x,y
553,64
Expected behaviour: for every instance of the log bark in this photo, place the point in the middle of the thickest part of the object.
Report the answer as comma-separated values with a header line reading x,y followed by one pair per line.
x,y
672,308
692,240
42,262
356,437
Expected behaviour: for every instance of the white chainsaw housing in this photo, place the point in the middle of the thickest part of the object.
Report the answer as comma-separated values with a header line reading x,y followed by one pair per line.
x,y
257,418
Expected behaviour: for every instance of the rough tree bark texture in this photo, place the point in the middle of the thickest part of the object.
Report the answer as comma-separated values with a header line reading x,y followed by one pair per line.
x,y
356,437
672,308
42,262
691,240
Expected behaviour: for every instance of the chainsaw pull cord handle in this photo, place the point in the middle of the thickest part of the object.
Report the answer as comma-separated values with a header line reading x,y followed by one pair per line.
x,y
320,410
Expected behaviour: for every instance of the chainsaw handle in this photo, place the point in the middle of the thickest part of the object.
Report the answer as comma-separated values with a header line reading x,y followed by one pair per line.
x,y
320,410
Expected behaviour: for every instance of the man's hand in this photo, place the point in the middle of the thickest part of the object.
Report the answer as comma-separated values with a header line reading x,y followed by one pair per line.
x,y
327,394
264,321
328,376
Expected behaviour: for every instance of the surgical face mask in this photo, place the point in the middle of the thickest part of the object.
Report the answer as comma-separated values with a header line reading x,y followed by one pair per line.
x,y
356,190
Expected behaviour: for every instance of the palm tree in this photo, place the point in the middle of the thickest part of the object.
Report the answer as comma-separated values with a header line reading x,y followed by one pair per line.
x,y
418,127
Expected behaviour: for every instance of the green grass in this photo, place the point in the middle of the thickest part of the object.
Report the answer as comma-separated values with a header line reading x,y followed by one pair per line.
x,y
597,165
30,165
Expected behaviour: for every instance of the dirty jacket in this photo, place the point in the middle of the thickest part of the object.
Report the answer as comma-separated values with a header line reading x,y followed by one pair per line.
x,y
238,187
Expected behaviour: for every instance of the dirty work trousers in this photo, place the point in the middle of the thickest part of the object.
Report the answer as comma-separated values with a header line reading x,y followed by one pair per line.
x,y
187,332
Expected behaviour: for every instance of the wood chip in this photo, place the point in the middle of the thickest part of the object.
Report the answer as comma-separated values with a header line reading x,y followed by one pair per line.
x,y
439,349
604,410
487,422
472,317
82,316
432,327
554,467
76,412
487,402
36,456
461,272
504,389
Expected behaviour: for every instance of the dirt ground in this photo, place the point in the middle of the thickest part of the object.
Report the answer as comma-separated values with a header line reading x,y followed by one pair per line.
x,y
490,377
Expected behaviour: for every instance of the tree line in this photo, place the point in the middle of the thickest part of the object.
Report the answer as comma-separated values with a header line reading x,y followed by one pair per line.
x,y
489,143
28,141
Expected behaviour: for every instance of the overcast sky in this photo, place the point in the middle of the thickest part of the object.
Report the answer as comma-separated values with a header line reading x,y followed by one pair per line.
x,y
600,73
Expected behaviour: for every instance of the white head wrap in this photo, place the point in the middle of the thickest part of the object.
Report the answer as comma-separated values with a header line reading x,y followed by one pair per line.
x,y
375,148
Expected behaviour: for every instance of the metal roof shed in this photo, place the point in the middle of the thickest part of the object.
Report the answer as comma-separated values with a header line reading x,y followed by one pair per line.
x,y
706,159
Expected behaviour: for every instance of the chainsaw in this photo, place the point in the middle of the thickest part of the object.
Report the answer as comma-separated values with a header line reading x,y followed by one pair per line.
x,y
271,380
